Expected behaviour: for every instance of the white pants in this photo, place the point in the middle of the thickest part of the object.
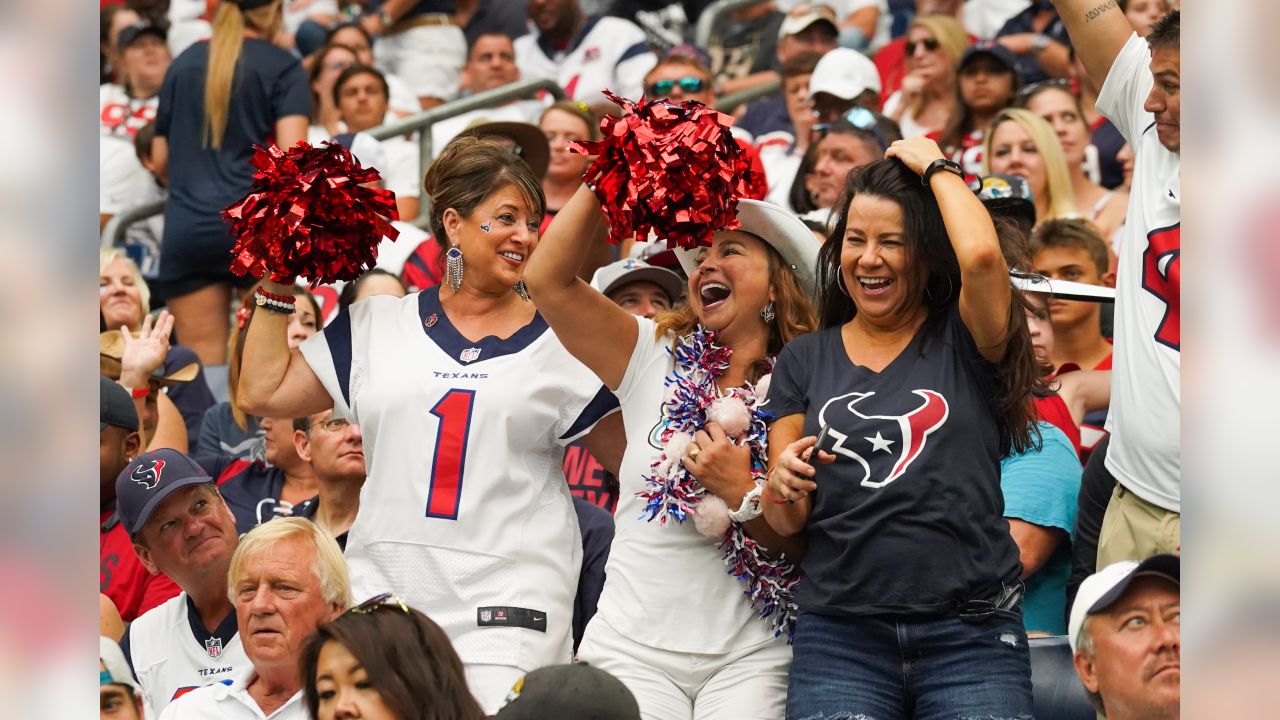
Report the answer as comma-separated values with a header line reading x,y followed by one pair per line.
x,y
490,684
429,58
746,684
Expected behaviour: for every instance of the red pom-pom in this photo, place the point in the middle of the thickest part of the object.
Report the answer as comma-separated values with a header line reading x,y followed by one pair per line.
x,y
308,214
672,169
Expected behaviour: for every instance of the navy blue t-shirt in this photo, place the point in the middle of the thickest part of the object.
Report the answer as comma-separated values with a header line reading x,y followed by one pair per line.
x,y
269,84
909,519
251,488
193,399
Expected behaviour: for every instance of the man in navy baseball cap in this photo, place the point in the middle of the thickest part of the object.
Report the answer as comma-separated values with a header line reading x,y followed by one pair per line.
x,y
149,479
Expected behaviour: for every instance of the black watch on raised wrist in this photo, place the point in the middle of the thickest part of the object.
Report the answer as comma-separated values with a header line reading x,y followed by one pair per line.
x,y
941,164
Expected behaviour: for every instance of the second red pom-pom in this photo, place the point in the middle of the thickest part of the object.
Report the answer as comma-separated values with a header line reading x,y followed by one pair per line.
x,y
672,169
310,214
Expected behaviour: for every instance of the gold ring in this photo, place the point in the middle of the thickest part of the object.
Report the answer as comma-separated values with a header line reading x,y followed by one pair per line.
x,y
693,453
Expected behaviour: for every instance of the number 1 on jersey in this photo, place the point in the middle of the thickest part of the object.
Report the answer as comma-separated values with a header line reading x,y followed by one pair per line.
x,y
448,461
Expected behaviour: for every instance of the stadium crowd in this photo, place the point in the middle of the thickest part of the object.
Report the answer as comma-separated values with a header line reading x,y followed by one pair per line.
x,y
899,444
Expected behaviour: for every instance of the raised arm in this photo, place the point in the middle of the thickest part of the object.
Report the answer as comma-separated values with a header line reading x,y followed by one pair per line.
x,y
985,294
591,327
1098,30
274,380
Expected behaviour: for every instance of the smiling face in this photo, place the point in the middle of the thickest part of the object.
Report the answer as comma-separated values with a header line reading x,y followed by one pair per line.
x,y
875,265
1058,108
561,128
344,689
986,85
119,297
838,154
496,239
189,535
362,102
731,284
279,602
1165,99
1136,659
1013,152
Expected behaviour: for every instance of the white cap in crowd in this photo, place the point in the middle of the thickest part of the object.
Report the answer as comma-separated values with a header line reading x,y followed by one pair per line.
x,y
1102,589
115,670
844,73
629,270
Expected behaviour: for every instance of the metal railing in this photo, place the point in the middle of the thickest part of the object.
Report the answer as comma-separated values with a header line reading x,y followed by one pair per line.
x,y
113,232
423,121
746,95
707,20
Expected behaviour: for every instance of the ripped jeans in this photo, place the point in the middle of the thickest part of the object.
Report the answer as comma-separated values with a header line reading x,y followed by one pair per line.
x,y
887,668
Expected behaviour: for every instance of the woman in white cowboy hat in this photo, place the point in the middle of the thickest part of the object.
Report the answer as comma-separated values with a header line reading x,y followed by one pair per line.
x,y
672,623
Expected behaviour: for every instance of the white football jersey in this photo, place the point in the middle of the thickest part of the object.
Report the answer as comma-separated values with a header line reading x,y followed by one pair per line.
x,y
465,513
1144,418
172,653
609,53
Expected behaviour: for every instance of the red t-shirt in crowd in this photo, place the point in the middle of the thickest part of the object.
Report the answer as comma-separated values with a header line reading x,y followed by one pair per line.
x,y
122,576
1053,410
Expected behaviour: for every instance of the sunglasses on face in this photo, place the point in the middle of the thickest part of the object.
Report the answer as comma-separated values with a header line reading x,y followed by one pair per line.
x,y
382,600
929,44
664,87
859,117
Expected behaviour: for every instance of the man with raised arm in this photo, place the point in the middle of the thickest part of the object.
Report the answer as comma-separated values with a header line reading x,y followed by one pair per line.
x,y
1140,81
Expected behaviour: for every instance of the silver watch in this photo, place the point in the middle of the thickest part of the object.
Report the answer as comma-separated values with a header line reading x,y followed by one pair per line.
x,y
750,508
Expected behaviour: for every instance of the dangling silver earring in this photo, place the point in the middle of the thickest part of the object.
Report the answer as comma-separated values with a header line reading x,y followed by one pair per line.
x,y
767,314
453,267
522,291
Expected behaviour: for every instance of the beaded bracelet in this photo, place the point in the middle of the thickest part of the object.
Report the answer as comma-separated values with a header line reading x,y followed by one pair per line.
x,y
280,304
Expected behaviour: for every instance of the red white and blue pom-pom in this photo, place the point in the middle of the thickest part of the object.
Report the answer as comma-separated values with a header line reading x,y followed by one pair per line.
x,y
691,400
310,214
673,169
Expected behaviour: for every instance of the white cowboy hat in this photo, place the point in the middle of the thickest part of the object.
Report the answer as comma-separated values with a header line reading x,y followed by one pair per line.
x,y
783,231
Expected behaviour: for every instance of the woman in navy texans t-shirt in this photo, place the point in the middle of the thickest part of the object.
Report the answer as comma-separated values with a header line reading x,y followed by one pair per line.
x,y
909,597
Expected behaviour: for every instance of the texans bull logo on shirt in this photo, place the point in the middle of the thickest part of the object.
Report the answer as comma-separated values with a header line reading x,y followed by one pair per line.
x,y
883,433
148,475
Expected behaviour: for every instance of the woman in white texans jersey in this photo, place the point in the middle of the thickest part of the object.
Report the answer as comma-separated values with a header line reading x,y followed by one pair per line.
x,y
672,623
465,399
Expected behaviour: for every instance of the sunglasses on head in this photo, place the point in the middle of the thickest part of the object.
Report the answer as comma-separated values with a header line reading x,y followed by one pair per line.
x,y
1030,90
689,84
859,117
929,44
382,600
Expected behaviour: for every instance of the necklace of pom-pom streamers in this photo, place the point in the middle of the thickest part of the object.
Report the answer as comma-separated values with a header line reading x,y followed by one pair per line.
x,y
691,400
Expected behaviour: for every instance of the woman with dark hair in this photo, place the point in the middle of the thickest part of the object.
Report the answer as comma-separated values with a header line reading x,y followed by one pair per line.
x,y
401,100
383,660
375,282
987,83
918,383
748,296
327,65
219,99
466,400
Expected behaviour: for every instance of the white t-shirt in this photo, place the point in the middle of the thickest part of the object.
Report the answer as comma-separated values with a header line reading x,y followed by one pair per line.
x,y
123,182
665,586
1144,418
984,18
401,174
295,11
910,128
465,512
781,160
610,53
170,659
231,702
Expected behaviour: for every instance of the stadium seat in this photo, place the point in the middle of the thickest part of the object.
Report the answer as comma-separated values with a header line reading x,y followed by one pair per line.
x,y
1056,690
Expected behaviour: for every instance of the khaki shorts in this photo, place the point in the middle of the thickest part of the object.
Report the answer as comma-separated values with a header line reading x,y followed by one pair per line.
x,y
1134,529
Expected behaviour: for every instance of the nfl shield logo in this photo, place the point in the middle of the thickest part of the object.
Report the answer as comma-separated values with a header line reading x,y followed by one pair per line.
x,y
486,615
469,354
213,646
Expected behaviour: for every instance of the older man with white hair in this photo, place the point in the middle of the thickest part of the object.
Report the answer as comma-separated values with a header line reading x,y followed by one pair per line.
x,y
286,578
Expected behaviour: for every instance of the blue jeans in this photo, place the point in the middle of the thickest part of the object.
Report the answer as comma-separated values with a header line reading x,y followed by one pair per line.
x,y
886,668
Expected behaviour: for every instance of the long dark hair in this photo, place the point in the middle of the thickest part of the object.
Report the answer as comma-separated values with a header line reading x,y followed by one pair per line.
x,y
406,657
928,247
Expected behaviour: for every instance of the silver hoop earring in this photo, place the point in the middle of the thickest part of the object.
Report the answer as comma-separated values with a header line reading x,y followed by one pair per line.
x,y
453,267
767,314
950,289
840,284
522,291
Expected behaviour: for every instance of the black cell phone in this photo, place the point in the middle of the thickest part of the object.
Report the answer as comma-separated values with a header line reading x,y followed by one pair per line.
x,y
822,439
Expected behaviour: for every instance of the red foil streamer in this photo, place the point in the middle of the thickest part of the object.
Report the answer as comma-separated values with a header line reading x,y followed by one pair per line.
x,y
672,169
309,214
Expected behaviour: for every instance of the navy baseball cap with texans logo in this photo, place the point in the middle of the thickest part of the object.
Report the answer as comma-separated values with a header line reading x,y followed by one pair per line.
x,y
149,479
